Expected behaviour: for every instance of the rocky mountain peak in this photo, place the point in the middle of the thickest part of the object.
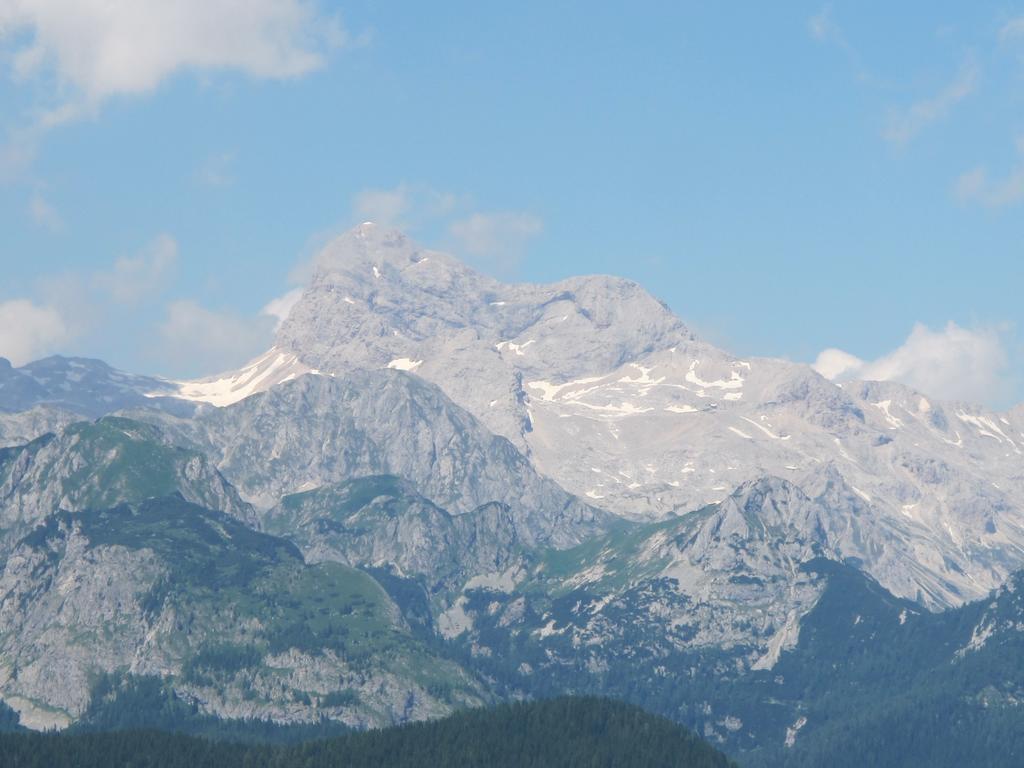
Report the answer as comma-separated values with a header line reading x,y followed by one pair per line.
x,y
370,245
773,502
374,289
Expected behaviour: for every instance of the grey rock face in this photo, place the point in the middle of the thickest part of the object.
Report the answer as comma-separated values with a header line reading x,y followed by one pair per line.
x,y
66,611
319,430
96,465
382,522
23,427
231,618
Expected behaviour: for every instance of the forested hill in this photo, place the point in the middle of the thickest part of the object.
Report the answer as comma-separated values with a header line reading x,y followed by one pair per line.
x,y
568,731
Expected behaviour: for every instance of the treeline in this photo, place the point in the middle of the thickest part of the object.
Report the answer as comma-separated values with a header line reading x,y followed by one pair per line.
x,y
578,732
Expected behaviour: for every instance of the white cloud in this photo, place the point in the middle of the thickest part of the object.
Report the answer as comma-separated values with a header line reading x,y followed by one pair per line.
x,y
497,237
197,340
834,364
281,307
29,331
905,124
406,205
953,364
1013,29
824,29
94,49
976,186
216,171
43,214
133,278
382,206
971,184
820,25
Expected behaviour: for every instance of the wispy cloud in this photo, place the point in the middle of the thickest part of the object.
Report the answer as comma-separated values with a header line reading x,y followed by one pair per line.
x,y
954,363
43,214
825,30
821,27
1013,29
383,206
216,170
134,278
906,123
280,307
405,205
498,238
975,185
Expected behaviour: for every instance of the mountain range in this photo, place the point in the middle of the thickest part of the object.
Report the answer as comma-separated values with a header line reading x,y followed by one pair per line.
x,y
437,490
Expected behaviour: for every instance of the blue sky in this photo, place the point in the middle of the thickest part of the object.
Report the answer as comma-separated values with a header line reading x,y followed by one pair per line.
x,y
789,179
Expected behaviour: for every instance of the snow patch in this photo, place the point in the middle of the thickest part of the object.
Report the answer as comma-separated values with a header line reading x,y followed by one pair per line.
x,y
987,428
860,493
735,381
884,406
404,364
623,409
765,429
680,409
511,346
273,367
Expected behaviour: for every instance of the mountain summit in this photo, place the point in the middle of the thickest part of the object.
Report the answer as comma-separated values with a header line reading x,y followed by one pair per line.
x,y
378,299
